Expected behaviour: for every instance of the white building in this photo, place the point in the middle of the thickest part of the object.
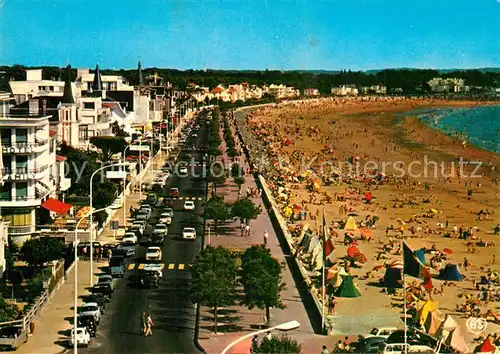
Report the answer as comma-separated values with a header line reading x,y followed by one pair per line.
x,y
4,242
281,91
345,90
34,86
30,173
374,90
441,85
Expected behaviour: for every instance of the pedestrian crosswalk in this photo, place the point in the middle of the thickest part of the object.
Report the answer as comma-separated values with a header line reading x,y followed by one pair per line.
x,y
170,266
191,198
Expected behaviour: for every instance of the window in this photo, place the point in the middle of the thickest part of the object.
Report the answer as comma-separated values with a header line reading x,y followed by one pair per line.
x,y
6,137
21,164
7,162
51,88
6,191
21,136
18,217
83,132
88,105
21,190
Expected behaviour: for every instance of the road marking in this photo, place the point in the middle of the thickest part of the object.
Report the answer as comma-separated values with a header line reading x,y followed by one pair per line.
x,y
171,266
141,266
181,198
181,266
131,266
200,198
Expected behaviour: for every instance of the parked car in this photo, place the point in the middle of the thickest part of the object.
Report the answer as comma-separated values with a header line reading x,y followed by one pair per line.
x,y
189,205
125,249
189,233
106,279
117,264
82,337
153,253
165,218
143,215
130,237
369,345
183,170
104,289
88,322
92,309
11,337
139,225
383,331
169,211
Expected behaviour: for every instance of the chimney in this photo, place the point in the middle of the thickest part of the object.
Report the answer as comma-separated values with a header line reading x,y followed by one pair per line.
x,y
33,107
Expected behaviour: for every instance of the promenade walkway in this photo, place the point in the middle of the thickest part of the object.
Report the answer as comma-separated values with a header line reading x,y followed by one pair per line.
x,y
237,321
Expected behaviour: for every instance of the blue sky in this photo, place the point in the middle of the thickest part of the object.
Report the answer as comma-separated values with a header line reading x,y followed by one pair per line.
x,y
238,34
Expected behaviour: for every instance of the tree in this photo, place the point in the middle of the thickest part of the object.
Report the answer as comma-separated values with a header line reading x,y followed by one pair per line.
x,y
217,175
245,210
103,193
118,130
214,274
239,181
215,209
261,278
237,170
8,312
109,145
38,251
276,344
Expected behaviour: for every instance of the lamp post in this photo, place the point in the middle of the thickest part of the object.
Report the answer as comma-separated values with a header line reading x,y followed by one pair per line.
x,y
284,327
92,220
75,306
124,190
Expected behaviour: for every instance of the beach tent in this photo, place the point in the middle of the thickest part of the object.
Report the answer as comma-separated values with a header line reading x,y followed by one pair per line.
x,y
334,270
457,341
347,288
313,243
392,278
446,327
305,229
350,224
428,307
486,347
451,273
433,321
420,254
336,281
305,241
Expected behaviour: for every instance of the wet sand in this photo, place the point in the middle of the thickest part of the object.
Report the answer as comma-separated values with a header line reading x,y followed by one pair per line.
x,y
333,130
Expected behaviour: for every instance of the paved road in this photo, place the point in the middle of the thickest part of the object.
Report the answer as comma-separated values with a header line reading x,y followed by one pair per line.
x,y
172,312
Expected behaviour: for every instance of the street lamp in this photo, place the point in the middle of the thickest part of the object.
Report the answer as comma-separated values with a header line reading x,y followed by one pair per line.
x,y
92,220
284,327
75,306
124,189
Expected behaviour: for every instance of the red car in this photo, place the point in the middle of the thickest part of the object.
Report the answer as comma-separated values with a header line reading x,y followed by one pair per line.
x,y
174,193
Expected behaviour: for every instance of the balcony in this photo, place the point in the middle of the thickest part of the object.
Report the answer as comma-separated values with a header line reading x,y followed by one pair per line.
x,y
19,201
21,230
24,174
39,145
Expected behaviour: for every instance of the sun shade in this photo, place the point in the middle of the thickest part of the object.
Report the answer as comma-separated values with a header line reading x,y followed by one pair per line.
x,y
56,206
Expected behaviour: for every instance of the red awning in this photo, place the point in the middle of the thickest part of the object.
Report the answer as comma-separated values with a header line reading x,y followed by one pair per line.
x,y
60,158
52,132
56,206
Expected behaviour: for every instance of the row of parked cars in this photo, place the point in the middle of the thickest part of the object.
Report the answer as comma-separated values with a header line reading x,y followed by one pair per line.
x,y
90,313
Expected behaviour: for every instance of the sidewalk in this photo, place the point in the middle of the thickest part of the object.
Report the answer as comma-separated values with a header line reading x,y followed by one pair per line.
x,y
239,320
52,327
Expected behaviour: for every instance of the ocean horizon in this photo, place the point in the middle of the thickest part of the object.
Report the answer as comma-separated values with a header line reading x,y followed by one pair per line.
x,y
479,126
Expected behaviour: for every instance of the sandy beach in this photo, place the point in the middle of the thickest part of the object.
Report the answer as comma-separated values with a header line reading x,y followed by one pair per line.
x,y
425,196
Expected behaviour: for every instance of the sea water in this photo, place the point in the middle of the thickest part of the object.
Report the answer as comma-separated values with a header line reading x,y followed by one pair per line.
x,y
479,126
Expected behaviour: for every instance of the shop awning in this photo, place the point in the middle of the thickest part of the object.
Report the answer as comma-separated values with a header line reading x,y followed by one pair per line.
x,y
56,206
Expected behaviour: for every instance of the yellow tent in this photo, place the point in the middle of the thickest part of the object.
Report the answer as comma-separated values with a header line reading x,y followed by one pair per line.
x,y
425,310
350,224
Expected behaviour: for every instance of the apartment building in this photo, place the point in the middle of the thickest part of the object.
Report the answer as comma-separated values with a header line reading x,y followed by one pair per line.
x,y
311,92
345,90
30,172
281,91
4,242
441,85
374,90
34,86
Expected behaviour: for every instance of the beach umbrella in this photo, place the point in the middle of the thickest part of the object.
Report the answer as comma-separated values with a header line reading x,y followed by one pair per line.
x,y
353,251
369,196
378,267
447,251
434,211
352,214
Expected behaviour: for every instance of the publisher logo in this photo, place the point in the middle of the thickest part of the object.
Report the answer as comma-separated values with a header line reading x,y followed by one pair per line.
x,y
476,325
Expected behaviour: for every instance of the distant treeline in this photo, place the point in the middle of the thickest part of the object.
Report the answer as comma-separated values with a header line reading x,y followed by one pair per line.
x,y
410,80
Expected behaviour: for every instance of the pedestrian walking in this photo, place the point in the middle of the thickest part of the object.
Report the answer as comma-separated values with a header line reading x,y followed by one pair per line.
x,y
149,326
325,351
144,321
266,235
255,342
247,230
242,229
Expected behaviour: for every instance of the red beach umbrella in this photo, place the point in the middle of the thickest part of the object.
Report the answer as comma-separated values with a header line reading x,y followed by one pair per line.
x,y
447,251
353,251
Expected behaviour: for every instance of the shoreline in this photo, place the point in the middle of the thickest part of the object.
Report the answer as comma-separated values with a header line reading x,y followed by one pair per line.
x,y
366,129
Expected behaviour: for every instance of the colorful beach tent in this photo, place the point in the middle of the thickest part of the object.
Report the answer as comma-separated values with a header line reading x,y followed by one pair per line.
x,y
450,273
433,321
486,347
420,254
392,278
457,341
448,325
336,281
347,288
428,307
350,224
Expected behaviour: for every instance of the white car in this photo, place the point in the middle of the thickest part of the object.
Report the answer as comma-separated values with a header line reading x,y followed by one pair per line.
x,y
169,211
160,229
91,309
380,332
189,205
106,279
165,218
189,233
139,224
130,237
158,268
183,170
153,254
82,337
